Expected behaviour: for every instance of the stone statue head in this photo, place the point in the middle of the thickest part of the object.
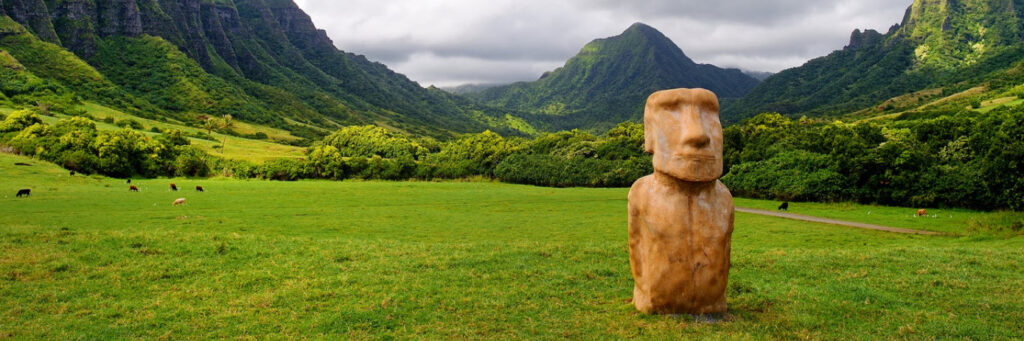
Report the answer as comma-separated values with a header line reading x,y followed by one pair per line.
x,y
683,131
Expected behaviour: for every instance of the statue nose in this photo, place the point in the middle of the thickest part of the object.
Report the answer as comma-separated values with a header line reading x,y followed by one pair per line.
x,y
694,133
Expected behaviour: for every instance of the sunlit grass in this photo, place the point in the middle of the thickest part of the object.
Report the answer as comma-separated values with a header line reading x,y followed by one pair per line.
x,y
85,258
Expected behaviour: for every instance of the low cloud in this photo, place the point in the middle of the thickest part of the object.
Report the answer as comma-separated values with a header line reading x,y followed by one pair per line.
x,y
451,42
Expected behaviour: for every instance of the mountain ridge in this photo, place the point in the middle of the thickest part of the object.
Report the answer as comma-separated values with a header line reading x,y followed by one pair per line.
x,y
608,80
948,45
269,50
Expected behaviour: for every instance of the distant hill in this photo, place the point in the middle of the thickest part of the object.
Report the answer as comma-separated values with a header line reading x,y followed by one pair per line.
x,y
258,60
469,88
609,80
759,75
944,46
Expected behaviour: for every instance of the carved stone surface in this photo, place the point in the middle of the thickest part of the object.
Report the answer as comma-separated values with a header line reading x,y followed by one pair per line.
x,y
681,217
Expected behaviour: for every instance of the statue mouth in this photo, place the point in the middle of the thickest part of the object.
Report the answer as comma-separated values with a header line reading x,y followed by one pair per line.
x,y
695,157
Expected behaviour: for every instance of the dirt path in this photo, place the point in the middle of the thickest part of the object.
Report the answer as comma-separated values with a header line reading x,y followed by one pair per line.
x,y
835,222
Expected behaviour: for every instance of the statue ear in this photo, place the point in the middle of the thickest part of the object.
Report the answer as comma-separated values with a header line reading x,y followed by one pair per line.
x,y
648,137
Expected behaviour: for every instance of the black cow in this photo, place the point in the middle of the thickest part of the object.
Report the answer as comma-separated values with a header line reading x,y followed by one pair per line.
x,y
128,182
26,192
72,173
784,206
174,187
199,189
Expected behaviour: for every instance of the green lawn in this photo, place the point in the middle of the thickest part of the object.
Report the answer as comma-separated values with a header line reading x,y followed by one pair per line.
x,y
84,258
952,221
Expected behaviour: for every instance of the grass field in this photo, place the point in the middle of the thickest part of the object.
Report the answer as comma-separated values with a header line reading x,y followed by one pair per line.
x,y
84,258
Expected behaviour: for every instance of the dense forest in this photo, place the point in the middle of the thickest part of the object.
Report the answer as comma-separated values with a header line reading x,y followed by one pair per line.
x,y
962,159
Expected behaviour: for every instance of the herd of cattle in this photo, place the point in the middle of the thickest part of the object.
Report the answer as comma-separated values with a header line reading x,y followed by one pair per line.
x,y
27,192
181,201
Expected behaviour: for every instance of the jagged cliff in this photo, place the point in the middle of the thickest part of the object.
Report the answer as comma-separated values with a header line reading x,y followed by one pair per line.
x,y
268,50
949,44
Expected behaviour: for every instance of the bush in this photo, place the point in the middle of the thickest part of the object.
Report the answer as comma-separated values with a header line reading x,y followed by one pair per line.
x,y
191,162
795,175
282,170
19,120
130,123
975,103
369,141
548,170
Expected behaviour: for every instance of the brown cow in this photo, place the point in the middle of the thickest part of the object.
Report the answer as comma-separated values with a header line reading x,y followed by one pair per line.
x,y
199,189
921,212
180,201
174,187
133,188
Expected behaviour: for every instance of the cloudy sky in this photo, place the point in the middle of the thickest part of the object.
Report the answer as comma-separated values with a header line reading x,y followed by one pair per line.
x,y
452,42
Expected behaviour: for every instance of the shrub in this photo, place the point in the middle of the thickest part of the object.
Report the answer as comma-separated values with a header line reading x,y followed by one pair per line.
x,y
19,120
795,175
369,141
130,123
191,162
282,170
548,170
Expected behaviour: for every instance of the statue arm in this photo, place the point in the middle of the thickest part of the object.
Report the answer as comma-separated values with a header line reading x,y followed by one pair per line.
x,y
635,232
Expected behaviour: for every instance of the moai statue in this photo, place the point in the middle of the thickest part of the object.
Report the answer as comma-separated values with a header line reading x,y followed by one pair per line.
x,y
681,217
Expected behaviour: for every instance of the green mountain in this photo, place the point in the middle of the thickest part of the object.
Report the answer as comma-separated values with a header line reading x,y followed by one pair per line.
x,y
258,60
944,46
609,80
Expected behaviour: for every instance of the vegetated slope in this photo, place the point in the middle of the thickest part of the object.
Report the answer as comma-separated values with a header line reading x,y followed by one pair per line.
x,y
266,53
35,72
949,44
609,80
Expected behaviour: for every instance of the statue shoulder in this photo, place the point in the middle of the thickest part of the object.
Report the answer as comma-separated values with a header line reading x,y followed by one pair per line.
x,y
641,185
723,192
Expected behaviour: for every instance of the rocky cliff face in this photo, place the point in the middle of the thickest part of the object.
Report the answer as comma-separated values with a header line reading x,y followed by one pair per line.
x,y
939,43
34,15
270,48
860,39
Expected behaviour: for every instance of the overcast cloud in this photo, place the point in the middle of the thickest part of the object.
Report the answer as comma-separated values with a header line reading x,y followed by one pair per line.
x,y
452,42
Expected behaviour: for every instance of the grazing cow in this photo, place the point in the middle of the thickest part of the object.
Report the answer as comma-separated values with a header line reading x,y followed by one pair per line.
x,y
72,173
133,188
199,189
129,181
921,212
784,206
180,201
26,192
174,187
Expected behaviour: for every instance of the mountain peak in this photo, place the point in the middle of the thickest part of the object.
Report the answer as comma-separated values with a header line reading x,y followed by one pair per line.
x,y
641,27
949,33
610,78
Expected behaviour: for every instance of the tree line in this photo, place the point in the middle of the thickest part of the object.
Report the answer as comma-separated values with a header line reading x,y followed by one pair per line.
x,y
963,159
